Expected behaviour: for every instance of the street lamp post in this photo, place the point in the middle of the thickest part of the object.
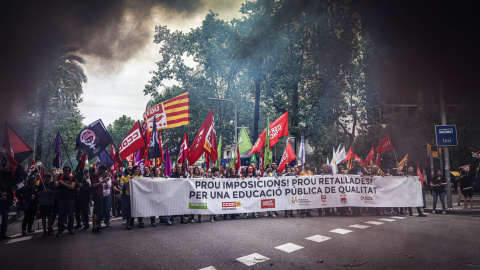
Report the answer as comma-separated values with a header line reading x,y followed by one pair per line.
x,y
228,100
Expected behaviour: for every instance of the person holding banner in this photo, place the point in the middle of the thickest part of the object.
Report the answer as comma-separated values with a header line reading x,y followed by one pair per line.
x,y
438,184
289,173
195,173
419,210
232,173
357,169
306,171
178,174
157,173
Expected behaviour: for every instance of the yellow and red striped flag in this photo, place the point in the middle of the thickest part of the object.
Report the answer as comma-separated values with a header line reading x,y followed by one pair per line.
x,y
169,114
402,163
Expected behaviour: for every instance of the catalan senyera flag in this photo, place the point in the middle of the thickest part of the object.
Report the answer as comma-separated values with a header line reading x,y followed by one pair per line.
x,y
402,163
169,114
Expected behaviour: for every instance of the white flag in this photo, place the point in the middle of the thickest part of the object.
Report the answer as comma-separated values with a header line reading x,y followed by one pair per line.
x,y
301,155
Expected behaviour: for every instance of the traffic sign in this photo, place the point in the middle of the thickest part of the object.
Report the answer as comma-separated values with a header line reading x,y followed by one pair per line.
x,y
446,135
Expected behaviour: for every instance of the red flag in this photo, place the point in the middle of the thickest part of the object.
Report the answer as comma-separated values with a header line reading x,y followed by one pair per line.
x,y
132,142
464,167
41,175
238,164
112,155
183,149
419,173
475,153
260,166
369,157
361,161
147,137
379,160
16,149
205,141
349,154
287,157
384,146
33,167
278,128
117,159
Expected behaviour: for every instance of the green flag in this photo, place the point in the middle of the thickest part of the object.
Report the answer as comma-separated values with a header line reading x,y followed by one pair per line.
x,y
253,159
219,151
244,143
268,154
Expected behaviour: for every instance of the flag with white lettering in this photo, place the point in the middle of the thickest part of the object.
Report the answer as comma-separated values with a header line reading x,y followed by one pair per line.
x,y
132,142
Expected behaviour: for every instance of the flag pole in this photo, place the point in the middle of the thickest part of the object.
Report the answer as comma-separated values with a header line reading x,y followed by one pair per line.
x,y
68,156
42,161
395,154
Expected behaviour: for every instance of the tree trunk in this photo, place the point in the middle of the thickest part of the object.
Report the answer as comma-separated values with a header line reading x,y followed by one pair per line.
x,y
41,125
257,107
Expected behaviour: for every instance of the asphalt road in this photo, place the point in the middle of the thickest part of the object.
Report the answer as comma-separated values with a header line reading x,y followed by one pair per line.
x,y
433,242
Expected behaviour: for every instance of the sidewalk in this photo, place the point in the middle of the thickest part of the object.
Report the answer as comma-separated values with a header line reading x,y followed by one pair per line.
x,y
456,209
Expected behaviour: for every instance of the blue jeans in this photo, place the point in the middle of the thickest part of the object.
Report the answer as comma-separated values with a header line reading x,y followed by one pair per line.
x,y
442,199
106,208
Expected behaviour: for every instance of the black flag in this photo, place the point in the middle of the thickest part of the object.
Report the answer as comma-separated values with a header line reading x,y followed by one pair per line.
x,y
93,139
154,148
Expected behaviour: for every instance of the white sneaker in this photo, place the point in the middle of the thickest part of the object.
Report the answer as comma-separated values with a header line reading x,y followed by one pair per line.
x,y
444,212
433,212
212,221
256,215
273,215
266,214
124,222
245,215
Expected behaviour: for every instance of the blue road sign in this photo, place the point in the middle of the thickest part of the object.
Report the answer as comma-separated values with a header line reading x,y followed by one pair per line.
x,y
446,135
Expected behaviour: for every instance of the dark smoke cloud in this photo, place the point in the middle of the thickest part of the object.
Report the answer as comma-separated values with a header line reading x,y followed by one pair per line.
x,y
32,31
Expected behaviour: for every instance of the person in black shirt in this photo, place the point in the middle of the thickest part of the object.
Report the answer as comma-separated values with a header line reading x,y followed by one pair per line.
x,y
46,193
66,197
27,195
438,190
466,186
6,202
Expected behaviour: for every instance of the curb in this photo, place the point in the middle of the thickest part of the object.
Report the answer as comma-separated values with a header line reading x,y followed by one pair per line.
x,y
474,211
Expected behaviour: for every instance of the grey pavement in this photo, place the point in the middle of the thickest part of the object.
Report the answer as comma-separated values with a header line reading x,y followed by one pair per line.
x,y
432,242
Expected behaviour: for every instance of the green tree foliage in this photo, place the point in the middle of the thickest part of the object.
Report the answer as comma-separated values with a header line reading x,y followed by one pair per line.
x,y
119,129
54,107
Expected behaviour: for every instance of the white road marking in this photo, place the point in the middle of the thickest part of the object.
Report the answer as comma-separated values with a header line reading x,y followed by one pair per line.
x,y
386,219
374,222
318,238
252,259
341,231
208,268
289,247
18,240
399,217
358,226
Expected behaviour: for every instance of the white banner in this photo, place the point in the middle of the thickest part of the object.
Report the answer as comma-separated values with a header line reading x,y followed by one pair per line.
x,y
178,196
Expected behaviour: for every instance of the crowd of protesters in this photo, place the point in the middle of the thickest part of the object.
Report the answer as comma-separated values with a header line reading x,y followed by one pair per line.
x,y
71,197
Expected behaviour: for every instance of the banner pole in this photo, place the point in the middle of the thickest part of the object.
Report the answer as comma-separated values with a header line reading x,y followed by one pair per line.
x,y
43,161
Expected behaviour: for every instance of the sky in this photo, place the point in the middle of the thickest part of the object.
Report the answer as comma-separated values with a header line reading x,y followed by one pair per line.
x,y
115,90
